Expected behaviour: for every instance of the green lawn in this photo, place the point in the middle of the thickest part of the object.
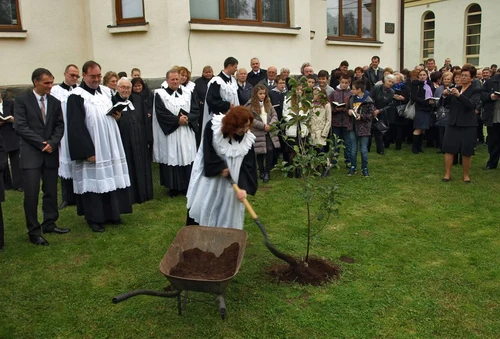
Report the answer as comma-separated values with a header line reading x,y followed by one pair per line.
x,y
427,264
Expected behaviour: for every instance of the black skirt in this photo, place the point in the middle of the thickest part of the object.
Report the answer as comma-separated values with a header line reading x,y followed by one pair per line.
x,y
422,119
459,140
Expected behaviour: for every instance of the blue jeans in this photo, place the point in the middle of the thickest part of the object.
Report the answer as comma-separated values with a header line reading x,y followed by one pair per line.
x,y
363,143
343,134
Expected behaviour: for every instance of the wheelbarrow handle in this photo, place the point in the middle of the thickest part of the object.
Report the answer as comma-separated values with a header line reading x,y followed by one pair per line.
x,y
125,296
245,201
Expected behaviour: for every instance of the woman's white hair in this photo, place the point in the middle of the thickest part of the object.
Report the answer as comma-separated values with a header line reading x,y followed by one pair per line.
x,y
390,77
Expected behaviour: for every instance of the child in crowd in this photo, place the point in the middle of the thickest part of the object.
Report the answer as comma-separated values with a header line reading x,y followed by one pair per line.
x,y
265,142
360,109
340,118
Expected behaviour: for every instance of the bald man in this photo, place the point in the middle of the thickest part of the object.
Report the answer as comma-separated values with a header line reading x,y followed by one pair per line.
x,y
270,80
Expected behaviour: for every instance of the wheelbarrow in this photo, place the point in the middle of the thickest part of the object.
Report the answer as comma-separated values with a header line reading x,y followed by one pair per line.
x,y
211,239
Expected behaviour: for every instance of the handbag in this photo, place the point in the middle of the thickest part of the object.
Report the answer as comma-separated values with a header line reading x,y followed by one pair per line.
x,y
381,126
409,112
400,109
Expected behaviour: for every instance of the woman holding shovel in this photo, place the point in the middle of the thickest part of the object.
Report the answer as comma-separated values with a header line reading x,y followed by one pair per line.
x,y
226,151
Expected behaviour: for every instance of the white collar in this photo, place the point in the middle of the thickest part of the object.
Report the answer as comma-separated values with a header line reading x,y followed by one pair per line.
x,y
38,96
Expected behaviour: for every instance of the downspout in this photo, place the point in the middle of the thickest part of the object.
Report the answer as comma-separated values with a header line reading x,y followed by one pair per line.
x,y
402,34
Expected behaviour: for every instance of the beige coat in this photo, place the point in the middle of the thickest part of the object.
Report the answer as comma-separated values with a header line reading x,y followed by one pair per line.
x,y
260,133
319,124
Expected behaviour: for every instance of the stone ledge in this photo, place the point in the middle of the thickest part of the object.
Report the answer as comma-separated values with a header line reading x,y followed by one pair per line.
x,y
129,28
13,34
354,43
194,26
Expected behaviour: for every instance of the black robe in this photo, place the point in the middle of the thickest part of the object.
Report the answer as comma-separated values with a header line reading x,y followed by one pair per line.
x,y
97,207
133,126
175,178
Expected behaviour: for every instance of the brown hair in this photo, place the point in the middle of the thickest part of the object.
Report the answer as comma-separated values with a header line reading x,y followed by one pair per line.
x,y
183,69
108,76
254,101
471,69
236,118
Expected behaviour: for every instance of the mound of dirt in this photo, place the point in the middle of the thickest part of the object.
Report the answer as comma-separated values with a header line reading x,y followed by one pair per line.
x,y
316,272
197,264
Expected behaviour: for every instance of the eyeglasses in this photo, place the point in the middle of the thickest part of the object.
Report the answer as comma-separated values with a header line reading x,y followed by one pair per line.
x,y
95,77
74,75
126,88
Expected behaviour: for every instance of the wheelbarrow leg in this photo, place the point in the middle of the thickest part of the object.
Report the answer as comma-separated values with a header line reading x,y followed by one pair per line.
x,y
185,301
222,306
179,304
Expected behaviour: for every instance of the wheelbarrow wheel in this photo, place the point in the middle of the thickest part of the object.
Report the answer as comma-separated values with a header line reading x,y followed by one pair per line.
x,y
222,306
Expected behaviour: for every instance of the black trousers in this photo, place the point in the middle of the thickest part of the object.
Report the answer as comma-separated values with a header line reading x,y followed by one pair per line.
x,y
379,140
67,191
493,145
12,177
268,157
49,201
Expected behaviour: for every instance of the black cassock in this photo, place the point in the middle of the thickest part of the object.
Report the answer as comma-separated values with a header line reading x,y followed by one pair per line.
x,y
133,126
97,207
175,178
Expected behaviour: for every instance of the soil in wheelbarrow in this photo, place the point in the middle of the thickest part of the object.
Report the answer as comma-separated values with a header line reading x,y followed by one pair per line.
x,y
316,272
198,264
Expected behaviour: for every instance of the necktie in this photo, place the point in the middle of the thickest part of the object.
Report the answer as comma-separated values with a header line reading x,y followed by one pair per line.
x,y
271,83
42,108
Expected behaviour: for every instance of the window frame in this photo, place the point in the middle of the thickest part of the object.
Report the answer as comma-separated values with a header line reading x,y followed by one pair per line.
x,y
424,40
257,22
120,21
14,28
359,37
468,14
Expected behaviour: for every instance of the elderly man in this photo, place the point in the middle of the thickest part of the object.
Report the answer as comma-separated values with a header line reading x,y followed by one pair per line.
x,y
270,80
100,172
222,92
175,121
244,88
257,73
133,131
62,92
39,123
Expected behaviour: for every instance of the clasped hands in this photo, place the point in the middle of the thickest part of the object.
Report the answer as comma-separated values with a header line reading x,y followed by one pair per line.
x,y
47,148
183,120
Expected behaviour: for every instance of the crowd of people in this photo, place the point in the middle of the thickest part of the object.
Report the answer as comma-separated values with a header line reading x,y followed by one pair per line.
x,y
100,135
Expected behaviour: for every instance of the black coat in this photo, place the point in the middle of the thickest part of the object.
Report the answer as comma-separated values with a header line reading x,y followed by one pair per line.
x,y
7,131
253,79
462,109
372,77
491,85
383,101
418,95
33,132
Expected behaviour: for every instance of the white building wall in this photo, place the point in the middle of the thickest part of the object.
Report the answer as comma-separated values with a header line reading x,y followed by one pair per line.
x,y
328,56
450,32
54,39
60,32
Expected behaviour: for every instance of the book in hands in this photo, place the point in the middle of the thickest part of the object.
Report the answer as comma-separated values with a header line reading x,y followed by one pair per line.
x,y
338,104
433,98
183,112
496,93
6,117
118,107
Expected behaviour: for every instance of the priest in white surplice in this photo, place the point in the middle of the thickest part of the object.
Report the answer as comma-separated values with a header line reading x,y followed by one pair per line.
x,y
100,173
62,92
222,92
175,121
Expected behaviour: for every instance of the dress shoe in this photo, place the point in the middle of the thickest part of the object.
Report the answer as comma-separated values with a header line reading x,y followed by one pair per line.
x,y
172,193
1,248
487,168
63,205
58,230
96,227
117,222
39,241
266,177
262,175
381,153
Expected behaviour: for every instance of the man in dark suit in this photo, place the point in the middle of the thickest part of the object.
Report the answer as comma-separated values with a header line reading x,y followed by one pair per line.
x,y
12,177
374,73
257,73
270,79
39,123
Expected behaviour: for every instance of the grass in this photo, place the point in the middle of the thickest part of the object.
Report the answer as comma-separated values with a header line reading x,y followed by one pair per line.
x,y
427,257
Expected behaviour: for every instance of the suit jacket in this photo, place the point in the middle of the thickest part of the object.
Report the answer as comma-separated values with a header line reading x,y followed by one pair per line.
x,y
373,77
462,109
253,79
33,131
7,131
265,82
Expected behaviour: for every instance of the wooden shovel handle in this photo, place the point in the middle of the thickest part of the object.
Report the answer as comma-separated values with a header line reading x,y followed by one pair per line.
x,y
246,202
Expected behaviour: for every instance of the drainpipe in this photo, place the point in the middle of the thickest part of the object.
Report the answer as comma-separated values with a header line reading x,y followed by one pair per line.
x,y
402,35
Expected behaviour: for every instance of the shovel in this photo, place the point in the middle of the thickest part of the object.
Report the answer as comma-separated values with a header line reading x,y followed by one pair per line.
x,y
285,257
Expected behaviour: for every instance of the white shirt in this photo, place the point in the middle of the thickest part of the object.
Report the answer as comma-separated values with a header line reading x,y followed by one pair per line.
x,y
38,97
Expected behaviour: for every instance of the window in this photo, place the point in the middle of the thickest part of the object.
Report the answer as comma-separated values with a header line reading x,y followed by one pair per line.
x,y
241,12
428,33
473,35
10,19
129,12
351,19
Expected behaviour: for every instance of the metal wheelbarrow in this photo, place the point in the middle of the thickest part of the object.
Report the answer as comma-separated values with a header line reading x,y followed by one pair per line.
x,y
211,239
